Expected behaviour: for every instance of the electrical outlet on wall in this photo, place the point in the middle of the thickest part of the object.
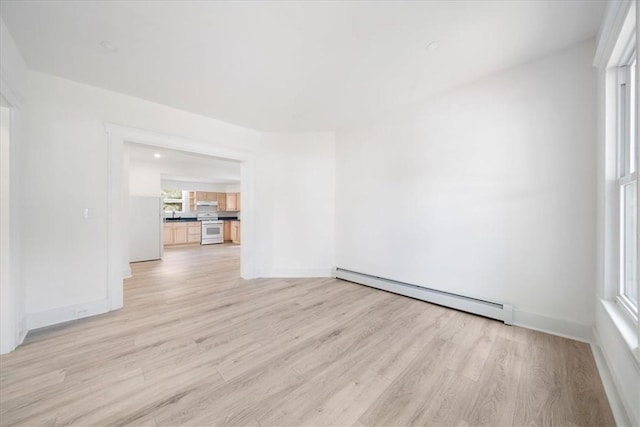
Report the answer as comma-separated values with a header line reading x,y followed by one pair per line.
x,y
81,311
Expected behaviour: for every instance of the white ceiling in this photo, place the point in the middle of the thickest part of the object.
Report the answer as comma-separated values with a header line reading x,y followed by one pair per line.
x,y
290,65
188,167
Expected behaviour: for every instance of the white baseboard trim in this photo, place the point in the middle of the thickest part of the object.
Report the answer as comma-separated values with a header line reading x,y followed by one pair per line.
x,y
65,314
296,272
610,388
126,273
554,326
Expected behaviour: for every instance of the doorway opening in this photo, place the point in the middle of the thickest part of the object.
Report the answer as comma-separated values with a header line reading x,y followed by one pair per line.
x,y
122,140
186,203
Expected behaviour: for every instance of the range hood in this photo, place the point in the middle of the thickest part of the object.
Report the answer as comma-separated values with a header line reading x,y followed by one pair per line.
x,y
206,203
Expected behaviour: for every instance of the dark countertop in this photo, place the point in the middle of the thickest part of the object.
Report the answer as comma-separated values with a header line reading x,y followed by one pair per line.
x,y
169,220
180,220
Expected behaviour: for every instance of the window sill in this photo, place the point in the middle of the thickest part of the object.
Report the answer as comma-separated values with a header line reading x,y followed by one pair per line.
x,y
628,330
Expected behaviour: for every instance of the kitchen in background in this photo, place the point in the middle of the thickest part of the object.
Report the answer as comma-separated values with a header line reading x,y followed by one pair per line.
x,y
204,217
179,198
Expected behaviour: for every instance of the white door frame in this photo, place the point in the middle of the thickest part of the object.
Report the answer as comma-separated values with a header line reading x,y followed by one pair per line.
x,y
8,324
118,194
12,329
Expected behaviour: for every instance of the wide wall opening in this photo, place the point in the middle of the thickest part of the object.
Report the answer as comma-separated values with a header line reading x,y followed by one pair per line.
x,y
180,212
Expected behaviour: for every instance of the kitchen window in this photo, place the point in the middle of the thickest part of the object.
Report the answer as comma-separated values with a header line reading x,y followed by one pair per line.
x,y
627,180
174,201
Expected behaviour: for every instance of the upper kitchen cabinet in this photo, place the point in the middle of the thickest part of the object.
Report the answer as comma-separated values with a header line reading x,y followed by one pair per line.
x,y
192,201
222,201
233,201
206,196
226,201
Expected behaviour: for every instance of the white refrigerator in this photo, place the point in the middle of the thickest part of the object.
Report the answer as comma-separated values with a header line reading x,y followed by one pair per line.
x,y
145,225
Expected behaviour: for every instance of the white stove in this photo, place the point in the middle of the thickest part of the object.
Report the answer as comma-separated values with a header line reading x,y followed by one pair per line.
x,y
212,228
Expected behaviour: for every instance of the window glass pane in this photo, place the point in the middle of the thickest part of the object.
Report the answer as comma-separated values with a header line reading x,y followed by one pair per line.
x,y
173,207
172,200
630,248
623,151
172,194
633,116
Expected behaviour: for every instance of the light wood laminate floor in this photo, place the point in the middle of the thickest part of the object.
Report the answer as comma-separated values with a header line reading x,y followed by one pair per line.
x,y
196,345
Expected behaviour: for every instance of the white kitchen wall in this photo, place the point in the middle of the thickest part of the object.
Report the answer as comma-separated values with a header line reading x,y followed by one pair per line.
x,y
193,186
146,176
145,179
64,169
492,189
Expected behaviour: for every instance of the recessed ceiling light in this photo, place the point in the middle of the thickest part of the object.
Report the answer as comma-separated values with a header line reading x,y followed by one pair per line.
x,y
157,155
433,46
109,47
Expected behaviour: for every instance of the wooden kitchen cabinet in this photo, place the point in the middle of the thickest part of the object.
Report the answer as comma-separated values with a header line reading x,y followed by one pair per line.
x,y
206,196
222,202
201,196
194,232
231,202
227,231
179,233
235,232
226,201
167,234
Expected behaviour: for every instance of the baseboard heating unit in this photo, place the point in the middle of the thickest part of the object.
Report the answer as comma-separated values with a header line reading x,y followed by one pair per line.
x,y
493,310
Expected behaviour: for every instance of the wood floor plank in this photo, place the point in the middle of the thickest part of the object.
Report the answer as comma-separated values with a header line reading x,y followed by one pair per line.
x,y
197,345
499,383
408,396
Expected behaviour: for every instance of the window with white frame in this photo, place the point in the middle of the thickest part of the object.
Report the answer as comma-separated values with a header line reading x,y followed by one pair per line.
x,y
627,113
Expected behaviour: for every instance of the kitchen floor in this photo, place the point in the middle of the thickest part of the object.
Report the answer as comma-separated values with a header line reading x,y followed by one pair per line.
x,y
197,345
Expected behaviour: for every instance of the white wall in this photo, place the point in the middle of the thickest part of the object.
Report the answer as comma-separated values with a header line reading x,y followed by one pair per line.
x,y
13,87
65,170
145,178
14,70
492,189
296,204
193,186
